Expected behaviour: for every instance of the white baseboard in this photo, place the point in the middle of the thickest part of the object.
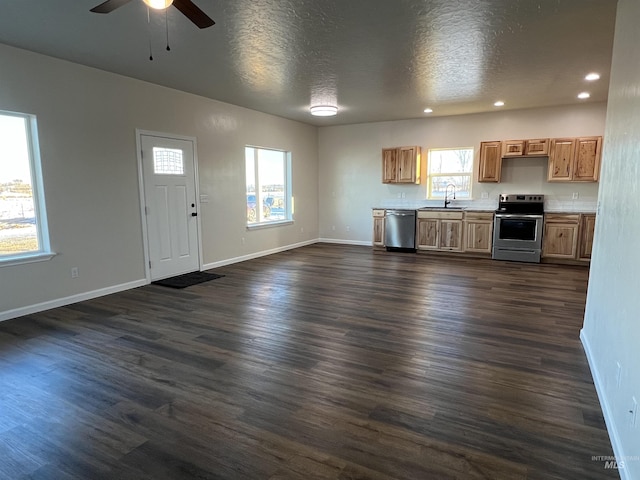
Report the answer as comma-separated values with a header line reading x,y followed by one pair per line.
x,y
345,242
604,405
61,302
263,253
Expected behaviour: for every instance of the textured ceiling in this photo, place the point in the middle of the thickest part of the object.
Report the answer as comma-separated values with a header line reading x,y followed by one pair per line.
x,y
377,59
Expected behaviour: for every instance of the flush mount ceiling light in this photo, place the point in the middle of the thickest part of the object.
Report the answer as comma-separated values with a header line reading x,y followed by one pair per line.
x,y
592,76
584,95
158,4
428,110
499,103
324,110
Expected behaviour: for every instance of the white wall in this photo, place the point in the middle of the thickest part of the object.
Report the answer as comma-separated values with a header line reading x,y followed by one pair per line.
x,y
351,162
87,120
611,332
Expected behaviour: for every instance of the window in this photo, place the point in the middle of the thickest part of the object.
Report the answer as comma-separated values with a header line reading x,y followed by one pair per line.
x,y
23,226
450,166
167,161
268,189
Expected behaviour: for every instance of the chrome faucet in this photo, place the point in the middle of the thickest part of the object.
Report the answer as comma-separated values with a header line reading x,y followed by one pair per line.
x,y
446,194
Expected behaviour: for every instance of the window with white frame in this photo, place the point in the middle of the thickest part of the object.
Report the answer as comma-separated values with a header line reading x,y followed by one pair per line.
x,y
268,186
23,225
450,166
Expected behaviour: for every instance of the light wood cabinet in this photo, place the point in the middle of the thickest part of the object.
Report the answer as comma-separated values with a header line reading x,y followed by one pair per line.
x,y
575,159
478,232
586,166
378,227
439,230
538,147
401,165
560,238
490,164
513,148
587,230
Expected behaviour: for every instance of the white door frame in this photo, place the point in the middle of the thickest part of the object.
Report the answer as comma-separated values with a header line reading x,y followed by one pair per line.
x,y
143,215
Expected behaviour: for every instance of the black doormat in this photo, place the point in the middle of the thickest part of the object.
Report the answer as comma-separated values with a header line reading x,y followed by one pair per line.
x,y
186,280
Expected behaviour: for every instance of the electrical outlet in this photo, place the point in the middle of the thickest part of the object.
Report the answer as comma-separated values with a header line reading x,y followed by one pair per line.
x,y
399,195
634,412
485,195
618,375
348,228
74,272
575,195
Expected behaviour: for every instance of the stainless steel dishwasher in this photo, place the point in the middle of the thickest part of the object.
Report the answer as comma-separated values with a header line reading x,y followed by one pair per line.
x,y
400,229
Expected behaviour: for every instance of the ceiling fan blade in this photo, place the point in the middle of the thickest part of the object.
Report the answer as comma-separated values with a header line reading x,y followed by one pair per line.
x,y
109,6
193,13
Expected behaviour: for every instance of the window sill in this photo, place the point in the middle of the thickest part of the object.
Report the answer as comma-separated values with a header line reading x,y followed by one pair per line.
x,y
21,259
259,226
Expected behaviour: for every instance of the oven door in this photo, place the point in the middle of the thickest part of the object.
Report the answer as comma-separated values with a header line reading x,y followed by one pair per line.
x,y
518,231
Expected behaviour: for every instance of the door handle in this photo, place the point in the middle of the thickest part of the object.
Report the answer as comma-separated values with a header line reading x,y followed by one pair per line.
x,y
194,214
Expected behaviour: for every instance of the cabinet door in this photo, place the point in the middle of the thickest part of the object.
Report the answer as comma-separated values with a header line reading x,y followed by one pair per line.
x,y
450,235
478,236
427,234
561,160
537,147
512,148
378,231
587,159
560,240
587,227
490,164
389,165
408,165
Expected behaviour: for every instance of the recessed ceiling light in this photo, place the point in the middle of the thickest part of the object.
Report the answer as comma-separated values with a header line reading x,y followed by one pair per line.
x,y
324,110
428,110
499,103
592,76
584,95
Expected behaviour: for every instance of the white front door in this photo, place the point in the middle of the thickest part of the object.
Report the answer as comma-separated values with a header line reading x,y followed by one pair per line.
x,y
169,179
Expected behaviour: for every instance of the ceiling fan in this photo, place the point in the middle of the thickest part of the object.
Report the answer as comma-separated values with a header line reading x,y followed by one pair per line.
x,y
186,7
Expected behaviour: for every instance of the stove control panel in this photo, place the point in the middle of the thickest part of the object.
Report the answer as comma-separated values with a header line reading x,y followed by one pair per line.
x,y
516,197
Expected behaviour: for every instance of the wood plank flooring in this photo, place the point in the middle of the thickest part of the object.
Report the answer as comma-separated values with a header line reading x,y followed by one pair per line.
x,y
325,362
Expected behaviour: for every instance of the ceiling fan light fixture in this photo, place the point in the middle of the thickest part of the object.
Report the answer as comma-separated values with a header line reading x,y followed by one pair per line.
x,y
323,110
158,4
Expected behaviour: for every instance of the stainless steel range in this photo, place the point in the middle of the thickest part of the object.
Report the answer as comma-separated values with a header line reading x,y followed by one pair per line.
x,y
518,227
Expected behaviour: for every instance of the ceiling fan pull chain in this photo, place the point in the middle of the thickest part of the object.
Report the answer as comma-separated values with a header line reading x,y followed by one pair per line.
x,y
166,24
149,33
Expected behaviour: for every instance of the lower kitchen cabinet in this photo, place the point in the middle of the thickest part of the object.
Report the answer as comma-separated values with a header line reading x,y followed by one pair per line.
x,y
439,231
378,227
585,242
478,232
560,238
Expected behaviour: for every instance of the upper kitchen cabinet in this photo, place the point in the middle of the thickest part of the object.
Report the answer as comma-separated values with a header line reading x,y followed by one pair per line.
x,y
537,148
587,160
490,164
575,159
512,148
401,165
526,148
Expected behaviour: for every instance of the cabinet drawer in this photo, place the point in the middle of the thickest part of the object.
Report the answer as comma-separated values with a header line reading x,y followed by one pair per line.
x,y
562,218
441,215
483,216
378,212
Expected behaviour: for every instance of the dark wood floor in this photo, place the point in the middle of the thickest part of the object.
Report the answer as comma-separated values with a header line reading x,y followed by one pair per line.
x,y
325,362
